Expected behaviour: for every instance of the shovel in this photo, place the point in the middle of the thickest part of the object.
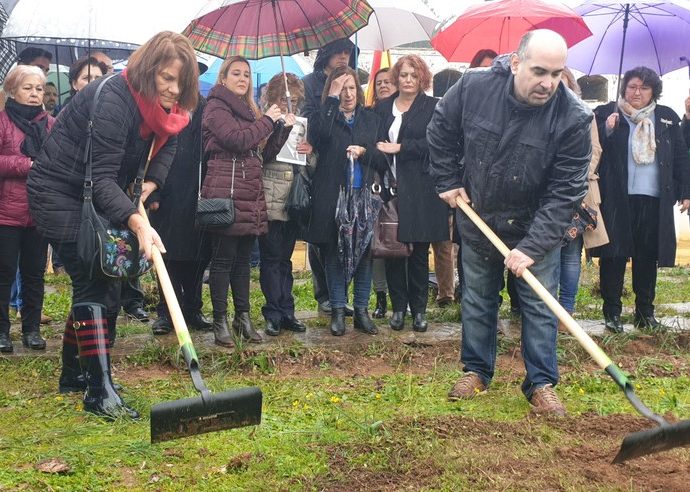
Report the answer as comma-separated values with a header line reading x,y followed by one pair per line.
x,y
661,438
209,412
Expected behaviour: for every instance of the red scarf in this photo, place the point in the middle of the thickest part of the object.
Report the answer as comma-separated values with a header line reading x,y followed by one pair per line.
x,y
156,120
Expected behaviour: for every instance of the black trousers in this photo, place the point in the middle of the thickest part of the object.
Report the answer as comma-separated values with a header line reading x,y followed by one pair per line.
x,y
644,212
186,278
318,273
23,245
408,280
230,268
275,273
84,289
131,295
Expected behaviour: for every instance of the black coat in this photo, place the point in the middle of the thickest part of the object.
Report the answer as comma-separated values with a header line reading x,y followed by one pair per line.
x,y
674,169
423,216
174,219
524,167
330,135
56,180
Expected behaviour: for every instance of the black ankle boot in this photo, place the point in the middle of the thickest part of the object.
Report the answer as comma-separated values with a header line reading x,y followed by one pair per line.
x,y
242,325
397,321
91,330
381,301
337,322
34,340
363,321
419,324
6,346
71,378
221,332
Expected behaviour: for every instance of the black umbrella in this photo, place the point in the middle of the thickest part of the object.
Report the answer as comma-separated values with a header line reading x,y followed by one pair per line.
x,y
355,214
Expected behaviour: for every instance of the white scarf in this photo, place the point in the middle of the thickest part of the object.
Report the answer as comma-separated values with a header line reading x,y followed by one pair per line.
x,y
643,140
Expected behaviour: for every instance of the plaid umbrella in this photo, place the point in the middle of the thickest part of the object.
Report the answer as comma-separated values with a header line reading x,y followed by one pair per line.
x,y
261,28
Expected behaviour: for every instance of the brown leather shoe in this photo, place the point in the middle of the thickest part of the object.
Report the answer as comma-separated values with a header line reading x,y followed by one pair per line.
x,y
467,387
45,319
545,402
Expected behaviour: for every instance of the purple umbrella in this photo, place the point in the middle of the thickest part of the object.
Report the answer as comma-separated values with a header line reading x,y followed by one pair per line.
x,y
630,34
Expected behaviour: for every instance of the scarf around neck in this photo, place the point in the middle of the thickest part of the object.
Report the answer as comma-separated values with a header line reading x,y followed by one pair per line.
x,y
643,139
157,121
32,121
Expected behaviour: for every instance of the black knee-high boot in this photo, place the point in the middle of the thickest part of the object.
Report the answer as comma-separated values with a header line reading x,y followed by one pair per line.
x,y
71,378
91,329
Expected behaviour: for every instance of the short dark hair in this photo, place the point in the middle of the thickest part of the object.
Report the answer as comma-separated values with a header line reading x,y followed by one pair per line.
x,y
76,68
29,54
444,80
647,76
337,73
51,84
479,56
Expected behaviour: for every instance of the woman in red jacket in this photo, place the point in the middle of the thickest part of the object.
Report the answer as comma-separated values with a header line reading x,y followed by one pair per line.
x,y
233,130
24,126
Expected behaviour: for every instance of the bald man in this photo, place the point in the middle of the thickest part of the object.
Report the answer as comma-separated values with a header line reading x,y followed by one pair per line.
x,y
515,143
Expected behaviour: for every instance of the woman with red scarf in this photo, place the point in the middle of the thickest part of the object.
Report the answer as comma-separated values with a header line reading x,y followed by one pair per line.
x,y
143,108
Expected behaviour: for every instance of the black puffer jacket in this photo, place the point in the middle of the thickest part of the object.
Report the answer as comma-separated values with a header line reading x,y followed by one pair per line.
x,y
56,180
524,167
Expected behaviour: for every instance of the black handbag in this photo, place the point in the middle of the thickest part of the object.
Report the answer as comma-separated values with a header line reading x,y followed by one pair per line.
x,y
108,250
216,213
298,203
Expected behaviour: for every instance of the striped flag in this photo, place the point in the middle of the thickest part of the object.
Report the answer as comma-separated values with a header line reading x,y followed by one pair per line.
x,y
382,59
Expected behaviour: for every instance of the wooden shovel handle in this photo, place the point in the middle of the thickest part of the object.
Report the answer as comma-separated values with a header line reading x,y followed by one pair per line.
x,y
174,309
573,327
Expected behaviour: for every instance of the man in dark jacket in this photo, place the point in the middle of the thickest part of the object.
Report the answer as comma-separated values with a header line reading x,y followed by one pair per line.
x,y
335,54
514,142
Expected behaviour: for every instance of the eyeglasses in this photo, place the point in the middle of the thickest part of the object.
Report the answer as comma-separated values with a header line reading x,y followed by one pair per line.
x,y
638,88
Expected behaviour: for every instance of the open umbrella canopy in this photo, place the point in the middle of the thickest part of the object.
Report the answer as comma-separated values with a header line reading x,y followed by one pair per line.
x,y
105,24
262,28
396,22
500,25
655,34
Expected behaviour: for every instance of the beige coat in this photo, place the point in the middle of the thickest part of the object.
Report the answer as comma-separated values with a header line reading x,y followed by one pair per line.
x,y
277,179
598,236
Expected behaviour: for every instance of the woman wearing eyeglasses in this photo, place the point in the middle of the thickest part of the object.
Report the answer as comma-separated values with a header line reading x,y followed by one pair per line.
x,y
644,171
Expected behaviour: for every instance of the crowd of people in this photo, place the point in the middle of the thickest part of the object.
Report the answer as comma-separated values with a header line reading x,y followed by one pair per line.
x,y
511,136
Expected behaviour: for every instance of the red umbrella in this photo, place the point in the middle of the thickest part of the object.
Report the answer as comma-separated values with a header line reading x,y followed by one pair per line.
x,y
500,25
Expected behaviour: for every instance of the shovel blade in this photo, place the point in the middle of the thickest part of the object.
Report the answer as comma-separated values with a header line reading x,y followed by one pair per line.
x,y
215,412
661,438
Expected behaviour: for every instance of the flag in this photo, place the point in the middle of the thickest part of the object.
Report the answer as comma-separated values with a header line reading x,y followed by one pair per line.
x,y
382,59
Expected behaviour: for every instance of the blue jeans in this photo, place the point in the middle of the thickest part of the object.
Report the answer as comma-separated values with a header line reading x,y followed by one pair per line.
x,y
16,292
482,282
335,278
571,265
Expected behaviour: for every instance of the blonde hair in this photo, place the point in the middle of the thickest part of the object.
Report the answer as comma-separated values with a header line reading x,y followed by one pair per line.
x,y
249,96
17,75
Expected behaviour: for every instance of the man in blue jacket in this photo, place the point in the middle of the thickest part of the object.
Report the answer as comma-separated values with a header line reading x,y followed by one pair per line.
x,y
515,143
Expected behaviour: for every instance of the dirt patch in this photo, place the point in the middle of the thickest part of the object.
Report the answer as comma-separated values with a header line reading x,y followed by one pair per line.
x,y
545,454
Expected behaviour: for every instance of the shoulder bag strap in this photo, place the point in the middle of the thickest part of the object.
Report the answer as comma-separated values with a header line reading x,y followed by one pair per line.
x,y
88,155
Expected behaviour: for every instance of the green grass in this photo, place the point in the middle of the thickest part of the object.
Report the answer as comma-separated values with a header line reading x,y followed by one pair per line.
x,y
327,428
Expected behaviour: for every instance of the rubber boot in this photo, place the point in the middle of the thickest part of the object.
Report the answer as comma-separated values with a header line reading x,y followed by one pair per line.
x,y
337,322
242,325
221,333
363,322
381,301
91,330
71,378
